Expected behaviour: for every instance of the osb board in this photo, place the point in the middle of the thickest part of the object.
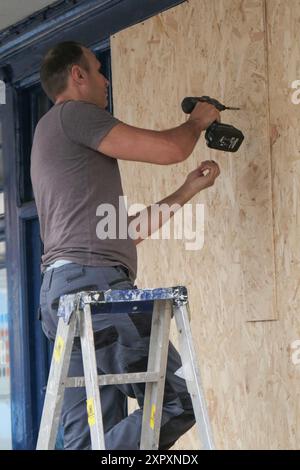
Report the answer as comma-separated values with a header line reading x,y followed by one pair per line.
x,y
284,69
181,52
216,48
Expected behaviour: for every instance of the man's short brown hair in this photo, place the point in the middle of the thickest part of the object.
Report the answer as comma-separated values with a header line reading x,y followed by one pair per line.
x,y
57,65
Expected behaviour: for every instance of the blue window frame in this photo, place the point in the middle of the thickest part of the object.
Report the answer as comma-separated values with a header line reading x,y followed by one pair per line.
x,y
33,103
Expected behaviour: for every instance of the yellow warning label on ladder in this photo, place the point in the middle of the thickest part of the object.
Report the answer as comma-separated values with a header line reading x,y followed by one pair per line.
x,y
58,348
91,411
152,417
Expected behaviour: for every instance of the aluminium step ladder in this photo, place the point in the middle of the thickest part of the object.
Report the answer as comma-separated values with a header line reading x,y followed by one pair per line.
x,y
76,320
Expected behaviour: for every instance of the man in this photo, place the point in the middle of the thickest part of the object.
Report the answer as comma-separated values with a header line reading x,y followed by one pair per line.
x,y
74,169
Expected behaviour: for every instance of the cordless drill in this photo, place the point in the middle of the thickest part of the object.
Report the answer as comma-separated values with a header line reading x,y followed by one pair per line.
x,y
218,135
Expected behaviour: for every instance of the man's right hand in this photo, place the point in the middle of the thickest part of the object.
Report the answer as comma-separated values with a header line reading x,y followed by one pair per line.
x,y
205,114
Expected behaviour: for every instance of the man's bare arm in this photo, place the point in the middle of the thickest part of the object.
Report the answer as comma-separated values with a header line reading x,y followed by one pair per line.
x,y
153,217
161,147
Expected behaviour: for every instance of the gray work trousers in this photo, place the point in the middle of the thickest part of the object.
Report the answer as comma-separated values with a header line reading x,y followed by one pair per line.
x,y
122,343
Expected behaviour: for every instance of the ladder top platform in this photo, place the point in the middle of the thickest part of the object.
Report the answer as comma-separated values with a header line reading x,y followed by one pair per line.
x,y
70,302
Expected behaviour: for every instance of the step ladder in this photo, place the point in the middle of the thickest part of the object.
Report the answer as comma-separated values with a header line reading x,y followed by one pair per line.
x,y
75,319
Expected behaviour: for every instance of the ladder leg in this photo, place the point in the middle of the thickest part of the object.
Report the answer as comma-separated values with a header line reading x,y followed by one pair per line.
x,y
55,387
94,411
157,362
192,375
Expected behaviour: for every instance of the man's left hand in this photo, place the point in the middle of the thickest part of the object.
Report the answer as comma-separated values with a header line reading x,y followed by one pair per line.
x,y
203,177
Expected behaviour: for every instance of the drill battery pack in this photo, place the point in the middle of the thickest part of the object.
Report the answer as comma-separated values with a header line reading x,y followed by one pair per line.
x,y
223,137
218,136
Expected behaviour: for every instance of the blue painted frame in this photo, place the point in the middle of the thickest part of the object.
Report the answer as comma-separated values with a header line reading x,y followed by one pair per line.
x,y
21,50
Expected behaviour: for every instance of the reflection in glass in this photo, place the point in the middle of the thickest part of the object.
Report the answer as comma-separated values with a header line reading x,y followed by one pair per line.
x,y
1,203
1,159
5,413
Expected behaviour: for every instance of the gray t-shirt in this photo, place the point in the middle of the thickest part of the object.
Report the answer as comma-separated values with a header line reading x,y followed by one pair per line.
x,y
70,179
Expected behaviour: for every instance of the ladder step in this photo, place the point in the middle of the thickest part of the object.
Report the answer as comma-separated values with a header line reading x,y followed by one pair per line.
x,y
115,379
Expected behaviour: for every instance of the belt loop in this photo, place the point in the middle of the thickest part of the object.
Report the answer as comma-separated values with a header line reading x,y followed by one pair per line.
x,y
48,279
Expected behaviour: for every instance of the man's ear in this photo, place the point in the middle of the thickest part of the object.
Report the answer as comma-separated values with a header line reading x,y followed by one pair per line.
x,y
77,73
